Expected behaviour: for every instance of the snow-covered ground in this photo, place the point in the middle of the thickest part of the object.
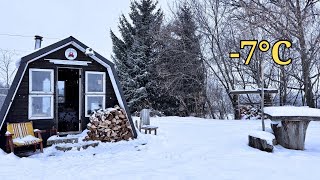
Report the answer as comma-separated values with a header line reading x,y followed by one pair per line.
x,y
185,148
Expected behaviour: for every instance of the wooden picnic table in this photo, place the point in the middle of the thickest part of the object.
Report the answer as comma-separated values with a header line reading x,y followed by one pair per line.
x,y
290,124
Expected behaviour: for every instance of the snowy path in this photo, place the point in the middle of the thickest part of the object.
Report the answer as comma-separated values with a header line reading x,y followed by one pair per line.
x,y
186,148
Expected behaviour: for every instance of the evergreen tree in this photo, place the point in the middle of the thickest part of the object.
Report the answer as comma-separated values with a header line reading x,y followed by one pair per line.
x,y
134,52
181,66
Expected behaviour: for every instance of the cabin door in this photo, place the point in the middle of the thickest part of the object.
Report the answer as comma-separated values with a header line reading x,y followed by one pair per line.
x,y
68,100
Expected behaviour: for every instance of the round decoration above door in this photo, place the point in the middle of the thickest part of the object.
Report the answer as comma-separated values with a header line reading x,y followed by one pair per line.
x,y
71,54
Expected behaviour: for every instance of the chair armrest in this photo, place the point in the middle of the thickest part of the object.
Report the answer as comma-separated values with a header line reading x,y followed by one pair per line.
x,y
53,131
38,133
8,134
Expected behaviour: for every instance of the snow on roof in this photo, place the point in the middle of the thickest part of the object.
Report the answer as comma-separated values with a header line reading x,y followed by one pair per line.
x,y
292,111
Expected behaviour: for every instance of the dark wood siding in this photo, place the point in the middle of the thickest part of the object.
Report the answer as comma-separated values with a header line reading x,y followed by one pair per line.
x,y
19,109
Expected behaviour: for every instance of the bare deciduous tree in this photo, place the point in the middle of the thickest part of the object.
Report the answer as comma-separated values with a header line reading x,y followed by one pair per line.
x,y
293,20
221,35
6,66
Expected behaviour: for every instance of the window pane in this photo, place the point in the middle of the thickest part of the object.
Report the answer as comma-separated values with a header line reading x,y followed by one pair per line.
x,y
41,106
94,103
95,82
61,93
41,81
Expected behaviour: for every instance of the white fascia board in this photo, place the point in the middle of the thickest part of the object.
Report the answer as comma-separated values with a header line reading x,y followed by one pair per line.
x,y
68,62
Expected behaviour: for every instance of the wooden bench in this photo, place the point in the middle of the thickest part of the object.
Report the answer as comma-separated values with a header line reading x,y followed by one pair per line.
x,y
23,134
150,129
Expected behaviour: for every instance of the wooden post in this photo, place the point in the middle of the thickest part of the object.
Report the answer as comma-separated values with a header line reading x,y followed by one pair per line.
x,y
238,97
262,96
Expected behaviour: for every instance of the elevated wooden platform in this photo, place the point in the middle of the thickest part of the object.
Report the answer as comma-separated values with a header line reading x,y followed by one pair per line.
x,y
253,91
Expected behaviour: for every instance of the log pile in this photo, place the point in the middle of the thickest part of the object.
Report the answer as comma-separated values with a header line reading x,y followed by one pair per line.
x,y
110,125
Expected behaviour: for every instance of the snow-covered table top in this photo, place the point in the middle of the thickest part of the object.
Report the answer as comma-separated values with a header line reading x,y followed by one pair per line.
x,y
293,112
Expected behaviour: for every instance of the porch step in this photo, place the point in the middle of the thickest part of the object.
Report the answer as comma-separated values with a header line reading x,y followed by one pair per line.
x,y
68,133
79,146
58,140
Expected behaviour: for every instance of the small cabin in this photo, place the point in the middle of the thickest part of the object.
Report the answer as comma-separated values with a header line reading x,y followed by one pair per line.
x,y
59,87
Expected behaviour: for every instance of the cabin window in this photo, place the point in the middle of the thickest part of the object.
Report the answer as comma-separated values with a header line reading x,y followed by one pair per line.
x,y
41,93
95,82
94,103
40,107
94,91
61,91
41,81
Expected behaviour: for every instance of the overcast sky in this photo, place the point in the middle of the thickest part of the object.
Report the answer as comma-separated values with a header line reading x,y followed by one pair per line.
x,y
87,20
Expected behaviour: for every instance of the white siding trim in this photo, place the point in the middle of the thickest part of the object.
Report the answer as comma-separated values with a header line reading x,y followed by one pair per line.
x,y
115,88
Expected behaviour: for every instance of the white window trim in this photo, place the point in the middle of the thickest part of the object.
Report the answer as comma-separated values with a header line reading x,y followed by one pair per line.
x,y
86,103
103,82
51,80
30,107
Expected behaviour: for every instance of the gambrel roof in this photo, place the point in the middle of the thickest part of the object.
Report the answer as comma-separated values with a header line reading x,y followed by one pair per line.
x,y
37,54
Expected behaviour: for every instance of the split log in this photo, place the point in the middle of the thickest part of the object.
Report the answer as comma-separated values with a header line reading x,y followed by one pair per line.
x,y
260,144
291,134
110,125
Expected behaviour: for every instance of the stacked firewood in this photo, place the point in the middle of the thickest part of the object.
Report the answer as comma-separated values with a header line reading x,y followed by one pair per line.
x,y
109,125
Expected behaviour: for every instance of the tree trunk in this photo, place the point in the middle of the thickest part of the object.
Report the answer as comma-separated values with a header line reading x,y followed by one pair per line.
x,y
210,106
291,134
235,104
305,61
283,86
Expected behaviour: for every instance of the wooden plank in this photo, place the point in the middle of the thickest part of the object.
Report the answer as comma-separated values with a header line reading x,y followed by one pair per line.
x,y
253,91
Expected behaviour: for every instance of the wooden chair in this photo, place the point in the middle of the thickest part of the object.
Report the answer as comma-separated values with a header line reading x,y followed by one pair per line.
x,y
145,122
23,134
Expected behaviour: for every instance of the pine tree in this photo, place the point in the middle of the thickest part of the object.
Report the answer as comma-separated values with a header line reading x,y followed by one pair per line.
x,y
120,49
181,65
134,52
